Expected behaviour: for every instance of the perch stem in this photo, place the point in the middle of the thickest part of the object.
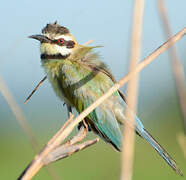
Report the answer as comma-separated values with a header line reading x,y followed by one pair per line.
x,y
37,163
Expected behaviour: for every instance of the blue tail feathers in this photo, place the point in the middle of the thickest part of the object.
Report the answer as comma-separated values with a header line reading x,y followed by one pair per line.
x,y
161,151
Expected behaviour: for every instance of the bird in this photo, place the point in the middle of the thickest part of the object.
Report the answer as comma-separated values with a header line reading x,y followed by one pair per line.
x,y
79,78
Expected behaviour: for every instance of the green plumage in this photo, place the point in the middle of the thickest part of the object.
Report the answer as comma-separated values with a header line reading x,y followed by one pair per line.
x,y
79,80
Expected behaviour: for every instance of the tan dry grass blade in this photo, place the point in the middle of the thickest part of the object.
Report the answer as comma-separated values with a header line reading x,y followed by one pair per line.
x,y
18,113
22,121
37,164
176,65
132,91
178,73
35,89
182,142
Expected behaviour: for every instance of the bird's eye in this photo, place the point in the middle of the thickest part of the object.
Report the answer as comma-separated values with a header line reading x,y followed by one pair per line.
x,y
60,41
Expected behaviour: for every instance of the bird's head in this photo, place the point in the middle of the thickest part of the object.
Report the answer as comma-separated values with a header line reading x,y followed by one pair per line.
x,y
55,40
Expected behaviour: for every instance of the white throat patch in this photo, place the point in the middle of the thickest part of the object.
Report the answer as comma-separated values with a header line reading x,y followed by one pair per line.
x,y
52,49
63,50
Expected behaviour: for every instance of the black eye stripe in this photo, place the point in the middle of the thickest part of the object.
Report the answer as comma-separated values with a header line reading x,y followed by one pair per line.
x,y
57,42
68,44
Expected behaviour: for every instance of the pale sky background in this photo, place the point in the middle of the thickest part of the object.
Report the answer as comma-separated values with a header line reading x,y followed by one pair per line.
x,y
108,23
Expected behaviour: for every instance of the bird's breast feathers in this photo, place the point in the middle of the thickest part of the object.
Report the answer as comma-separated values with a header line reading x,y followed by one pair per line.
x,y
74,81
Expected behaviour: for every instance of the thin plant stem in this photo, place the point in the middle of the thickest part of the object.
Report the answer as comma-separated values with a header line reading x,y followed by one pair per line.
x,y
18,113
35,89
177,68
132,93
22,122
37,163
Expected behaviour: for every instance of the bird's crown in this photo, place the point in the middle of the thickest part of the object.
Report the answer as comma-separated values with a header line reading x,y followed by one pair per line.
x,y
55,29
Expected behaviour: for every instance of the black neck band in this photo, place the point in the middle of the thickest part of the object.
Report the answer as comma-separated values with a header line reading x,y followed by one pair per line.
x,y
54,56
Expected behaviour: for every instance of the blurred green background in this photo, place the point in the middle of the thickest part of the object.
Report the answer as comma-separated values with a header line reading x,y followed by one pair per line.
x,y
108,23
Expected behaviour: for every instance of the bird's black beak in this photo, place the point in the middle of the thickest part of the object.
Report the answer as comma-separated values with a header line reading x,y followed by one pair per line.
x,y
41,38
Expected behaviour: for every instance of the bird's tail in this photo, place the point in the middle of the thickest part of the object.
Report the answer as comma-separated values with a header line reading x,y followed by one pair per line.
x,y
161,151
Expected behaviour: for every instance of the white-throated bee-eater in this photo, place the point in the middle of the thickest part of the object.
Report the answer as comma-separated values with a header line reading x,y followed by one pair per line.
x,y
79,78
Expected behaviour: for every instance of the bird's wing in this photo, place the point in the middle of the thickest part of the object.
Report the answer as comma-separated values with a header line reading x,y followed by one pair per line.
x,y
113,108
92,60
82,86
109,74
103,122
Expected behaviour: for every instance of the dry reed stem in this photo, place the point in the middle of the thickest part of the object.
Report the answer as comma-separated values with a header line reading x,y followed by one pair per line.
x,y
38,161
182,142
35,89
70,147
176,65
82,133
132,91
63,152
18,113
22,121
178,73
36,164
